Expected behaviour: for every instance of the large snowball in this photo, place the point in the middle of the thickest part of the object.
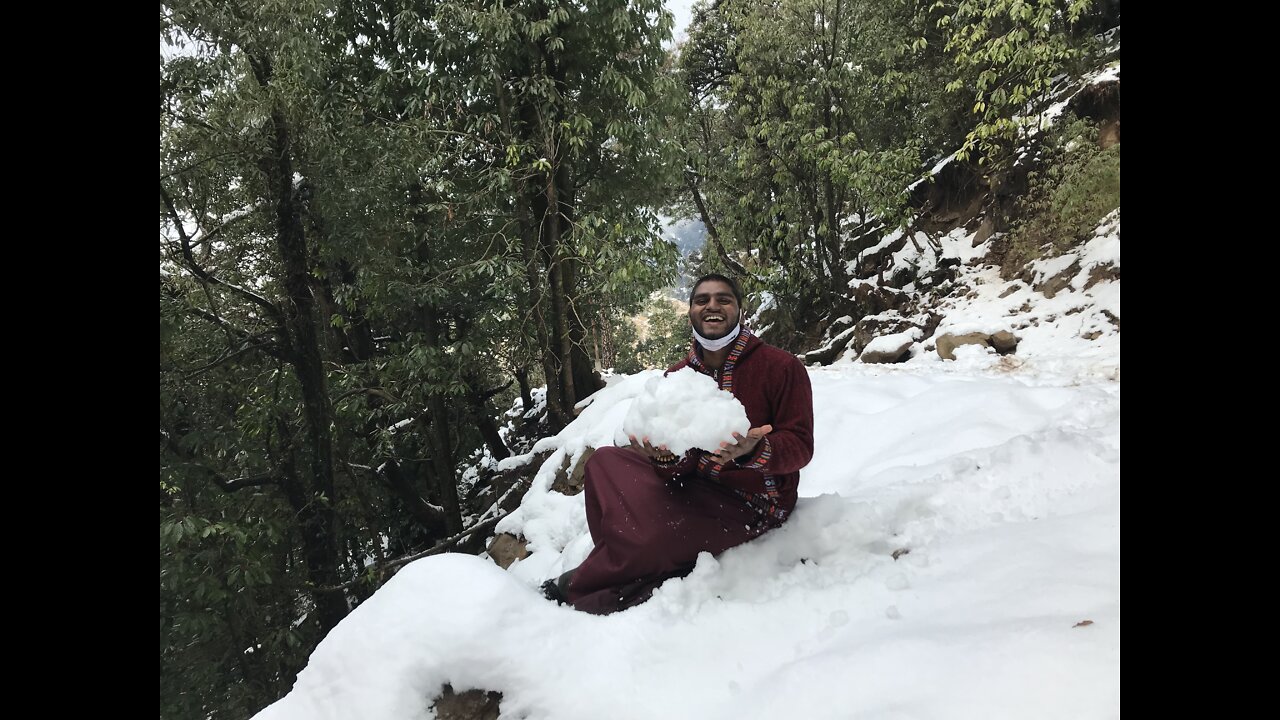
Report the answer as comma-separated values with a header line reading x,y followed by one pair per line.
x,y
685,410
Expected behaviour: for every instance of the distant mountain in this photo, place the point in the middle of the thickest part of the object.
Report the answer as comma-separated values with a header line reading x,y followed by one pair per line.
x,y
689,235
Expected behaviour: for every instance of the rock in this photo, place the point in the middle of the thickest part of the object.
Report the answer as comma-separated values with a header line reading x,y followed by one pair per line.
x,y
567,483
901,354
1056,284
1004,342
469,705
506,549
1101,272
985,231
948,343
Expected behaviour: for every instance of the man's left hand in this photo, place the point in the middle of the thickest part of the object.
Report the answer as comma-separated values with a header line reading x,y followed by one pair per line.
x,y
745,444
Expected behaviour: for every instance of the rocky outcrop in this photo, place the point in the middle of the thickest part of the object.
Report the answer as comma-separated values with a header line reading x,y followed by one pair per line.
x,y
1100,102
469,705
900,353
948,343
1051,286
570,483
506,549
872,327
1003,341
838,336
955,195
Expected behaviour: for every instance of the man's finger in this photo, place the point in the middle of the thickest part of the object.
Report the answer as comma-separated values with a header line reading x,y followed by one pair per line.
x,y
636,446
760,432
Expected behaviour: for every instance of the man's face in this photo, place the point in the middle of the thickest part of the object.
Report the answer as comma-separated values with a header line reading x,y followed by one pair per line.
x,y
713,309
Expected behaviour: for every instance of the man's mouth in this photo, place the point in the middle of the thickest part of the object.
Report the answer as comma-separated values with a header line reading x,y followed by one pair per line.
x,y
712,319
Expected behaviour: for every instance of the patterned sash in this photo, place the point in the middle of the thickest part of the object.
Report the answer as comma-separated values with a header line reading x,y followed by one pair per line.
x,y
765,503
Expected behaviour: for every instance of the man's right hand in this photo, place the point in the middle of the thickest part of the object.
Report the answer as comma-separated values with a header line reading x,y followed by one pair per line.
x,y
656,454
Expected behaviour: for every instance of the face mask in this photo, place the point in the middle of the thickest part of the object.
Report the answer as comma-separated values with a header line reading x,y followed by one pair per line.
x,y
723,342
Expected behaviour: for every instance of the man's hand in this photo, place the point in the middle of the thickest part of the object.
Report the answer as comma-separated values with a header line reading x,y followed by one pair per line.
x,y
659,454
743,446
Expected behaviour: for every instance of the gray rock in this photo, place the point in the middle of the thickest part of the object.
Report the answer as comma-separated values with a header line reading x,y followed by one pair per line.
x,y
948,343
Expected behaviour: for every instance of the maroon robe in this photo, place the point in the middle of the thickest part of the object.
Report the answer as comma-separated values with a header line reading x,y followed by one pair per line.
x,y
649,522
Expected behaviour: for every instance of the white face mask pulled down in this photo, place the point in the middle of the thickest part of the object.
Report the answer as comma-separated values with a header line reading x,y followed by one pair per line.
x,y
713,345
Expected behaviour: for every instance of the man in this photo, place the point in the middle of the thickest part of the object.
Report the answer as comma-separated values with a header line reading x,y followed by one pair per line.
x,y
650,512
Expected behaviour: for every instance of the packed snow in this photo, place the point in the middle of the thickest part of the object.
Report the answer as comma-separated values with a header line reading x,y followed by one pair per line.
x,y
684,410
955,553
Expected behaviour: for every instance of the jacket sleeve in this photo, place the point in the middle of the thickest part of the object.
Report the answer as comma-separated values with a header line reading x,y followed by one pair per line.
x,y
789,446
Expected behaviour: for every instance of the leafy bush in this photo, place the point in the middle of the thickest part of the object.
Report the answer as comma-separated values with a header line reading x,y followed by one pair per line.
x,y
1076,185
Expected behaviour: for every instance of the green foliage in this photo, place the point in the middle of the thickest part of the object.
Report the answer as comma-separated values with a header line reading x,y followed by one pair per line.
x,y
808,119
1079,183
1009,54
465,185
223,648
419,139
665,338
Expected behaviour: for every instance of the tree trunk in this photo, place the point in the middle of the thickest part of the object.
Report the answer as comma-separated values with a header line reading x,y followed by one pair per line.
x,y
442,463
540,264
839,279
585,378
712,232
484,417
526,394
313,500
819,243
319,550
562,344
430,518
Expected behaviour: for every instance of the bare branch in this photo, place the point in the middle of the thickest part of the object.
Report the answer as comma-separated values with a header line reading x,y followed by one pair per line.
x,y
217,320
264,343
244,482
486,394
438,548
227,484
195,165
205,275
376,391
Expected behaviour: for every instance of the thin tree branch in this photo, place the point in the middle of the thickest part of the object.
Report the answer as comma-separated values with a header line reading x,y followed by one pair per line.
x,y
377,391
200,272
263,343
438,548
227,484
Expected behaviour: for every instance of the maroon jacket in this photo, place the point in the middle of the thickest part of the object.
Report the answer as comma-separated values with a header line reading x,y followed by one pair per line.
x,y
773,386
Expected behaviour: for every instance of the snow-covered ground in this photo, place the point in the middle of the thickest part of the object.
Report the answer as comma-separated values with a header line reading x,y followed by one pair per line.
x,y
955,554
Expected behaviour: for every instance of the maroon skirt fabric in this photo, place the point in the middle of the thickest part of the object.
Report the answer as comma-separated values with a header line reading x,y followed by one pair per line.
x,y
647,530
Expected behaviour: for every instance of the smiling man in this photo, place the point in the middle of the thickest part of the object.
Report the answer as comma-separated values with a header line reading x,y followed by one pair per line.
x,y
651,512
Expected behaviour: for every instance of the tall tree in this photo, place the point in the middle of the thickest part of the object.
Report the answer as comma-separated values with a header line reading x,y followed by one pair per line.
x,y
372,216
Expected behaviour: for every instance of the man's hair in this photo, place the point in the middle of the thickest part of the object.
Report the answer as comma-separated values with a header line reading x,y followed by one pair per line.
x,y
737,294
